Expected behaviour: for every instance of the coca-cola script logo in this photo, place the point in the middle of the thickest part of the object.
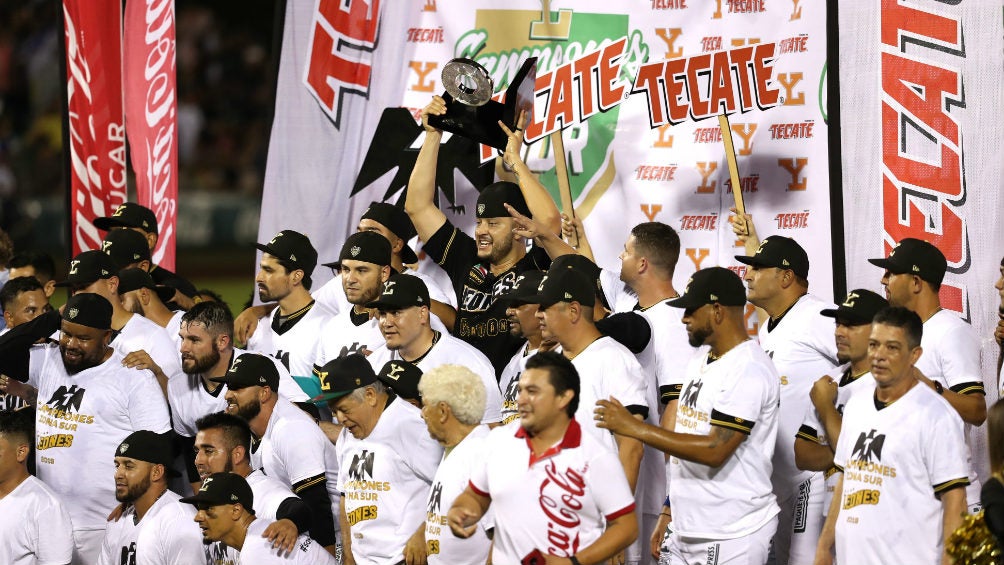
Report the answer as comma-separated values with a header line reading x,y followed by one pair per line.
x,y
561,500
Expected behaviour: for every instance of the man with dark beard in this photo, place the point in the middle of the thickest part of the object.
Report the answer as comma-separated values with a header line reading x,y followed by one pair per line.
x,y
290,447
207,351
87,403
154,527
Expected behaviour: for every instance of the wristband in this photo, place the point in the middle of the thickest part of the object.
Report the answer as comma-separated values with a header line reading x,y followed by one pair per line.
x,y
938,388
574,560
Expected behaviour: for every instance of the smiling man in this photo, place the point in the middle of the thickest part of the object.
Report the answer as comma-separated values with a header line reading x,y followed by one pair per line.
x,y
291,447
386,463
155,527
225,513
902,458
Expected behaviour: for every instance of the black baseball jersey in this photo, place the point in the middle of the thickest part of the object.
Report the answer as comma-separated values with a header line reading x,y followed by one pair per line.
x,y
481,319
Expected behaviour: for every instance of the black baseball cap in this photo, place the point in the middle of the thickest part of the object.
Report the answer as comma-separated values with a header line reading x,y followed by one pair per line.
x,y
584,265
366,246
144,445
126,247
402,377
400,292
858,308
89,309
88,267
224,488
397,221
250,369
493,196
564,285
915,257
129,215
711,285
293,247
135,279
524,290
342,375
781,252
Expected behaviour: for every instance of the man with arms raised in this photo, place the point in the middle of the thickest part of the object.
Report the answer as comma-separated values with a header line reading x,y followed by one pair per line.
x,y
557,494
223,445
453,400
225,513
404,320
386,462
34,525
87,403
291,447
726,426
903,460
816,439
155,527
485,267
950,364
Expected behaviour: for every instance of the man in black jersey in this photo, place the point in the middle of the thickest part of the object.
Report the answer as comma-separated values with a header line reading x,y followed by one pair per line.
x,y
484,267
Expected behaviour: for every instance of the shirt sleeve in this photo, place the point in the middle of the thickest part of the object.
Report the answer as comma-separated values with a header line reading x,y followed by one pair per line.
x,y
182,547
811,428
55,536
960,360
479,468
453,250
627,384
944,450
327,295
301,451
146,404
743,397
611,490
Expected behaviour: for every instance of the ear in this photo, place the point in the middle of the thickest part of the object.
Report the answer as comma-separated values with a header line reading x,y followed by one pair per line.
x,y
21,454
915,354
222,341
396,245
237,454
384,273
787,278
144,296
296,276
146,265
9,318
112,284
49,288
151,240
107,339
642,265
917,284
574,312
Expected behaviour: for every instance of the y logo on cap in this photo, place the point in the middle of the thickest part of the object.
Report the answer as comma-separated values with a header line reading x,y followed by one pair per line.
x,y
540,287
106,246
120,210
395,371
73,266
851,298
205,484
388,287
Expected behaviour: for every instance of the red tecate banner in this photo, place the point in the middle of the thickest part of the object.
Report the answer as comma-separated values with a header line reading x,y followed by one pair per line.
x,y
151,115
97,136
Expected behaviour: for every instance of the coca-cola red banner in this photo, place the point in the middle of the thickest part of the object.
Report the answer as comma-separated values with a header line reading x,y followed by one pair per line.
x,y
151,115
97,136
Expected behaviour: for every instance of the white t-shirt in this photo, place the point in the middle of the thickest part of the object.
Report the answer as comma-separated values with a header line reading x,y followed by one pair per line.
x,y
385,480
509,383
739,391
35,527
293,449
803,350
342,337
669,351
173,329
140,333
895,460
452,478
557,503
269,494
190,399
167,535
952,357
297,346
812,427
450,350
80,422
621,297
258,550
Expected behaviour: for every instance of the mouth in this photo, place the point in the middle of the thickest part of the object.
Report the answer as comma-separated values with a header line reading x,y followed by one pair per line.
x,y
484,243
73,355
231,407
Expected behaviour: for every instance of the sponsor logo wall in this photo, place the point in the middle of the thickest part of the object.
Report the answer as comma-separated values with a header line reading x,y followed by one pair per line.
x,y
634,85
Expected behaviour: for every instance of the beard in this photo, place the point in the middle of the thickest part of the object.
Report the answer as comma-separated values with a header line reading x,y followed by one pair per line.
x,y
133,492
84,362
499,250
368,297
843,358
248,411
698,336
200,365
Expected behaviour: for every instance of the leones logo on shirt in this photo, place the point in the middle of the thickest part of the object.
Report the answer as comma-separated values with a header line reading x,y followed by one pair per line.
x,y
361,468
868,448
67,399
435,496
690,394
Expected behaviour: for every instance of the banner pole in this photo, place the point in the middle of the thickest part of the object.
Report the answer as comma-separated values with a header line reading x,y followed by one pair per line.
x,y
64,103
730,156
564,187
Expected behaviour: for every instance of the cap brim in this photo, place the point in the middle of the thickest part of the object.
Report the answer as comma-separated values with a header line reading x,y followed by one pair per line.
x,y
885,263
408,255
165,293
109,222
686,301
332,265
836,313
326,396
201,498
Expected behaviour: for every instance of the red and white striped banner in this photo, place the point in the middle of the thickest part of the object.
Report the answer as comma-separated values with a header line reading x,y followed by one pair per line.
x,y
152,115
97,134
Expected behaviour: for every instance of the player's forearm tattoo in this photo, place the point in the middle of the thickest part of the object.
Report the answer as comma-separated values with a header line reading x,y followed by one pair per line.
x,y
720,435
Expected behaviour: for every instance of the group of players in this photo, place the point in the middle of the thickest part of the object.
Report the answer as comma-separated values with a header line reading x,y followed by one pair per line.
x,y
540,410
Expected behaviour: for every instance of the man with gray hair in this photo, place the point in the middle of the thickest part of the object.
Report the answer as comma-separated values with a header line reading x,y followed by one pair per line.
x,y
453,399
386,463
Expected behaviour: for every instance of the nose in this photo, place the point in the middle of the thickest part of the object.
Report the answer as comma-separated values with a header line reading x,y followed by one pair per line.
x,y
259,276
885,279
748,275
200,516
200,457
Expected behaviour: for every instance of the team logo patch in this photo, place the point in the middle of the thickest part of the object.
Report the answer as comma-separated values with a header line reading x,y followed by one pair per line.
x,y
868,448
106,246
395,371
540,287
354,251
785,262
693,390
292,257
123,448
73,266
388,288
915,268
119,210
713,297
481,209
851,298
72,313
568,296
205,484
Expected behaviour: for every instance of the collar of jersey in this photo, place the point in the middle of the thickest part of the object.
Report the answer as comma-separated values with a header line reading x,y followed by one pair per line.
x,y
571,439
